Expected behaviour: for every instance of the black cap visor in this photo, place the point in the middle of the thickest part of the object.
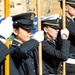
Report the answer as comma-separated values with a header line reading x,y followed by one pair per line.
x,y
29,27
54,27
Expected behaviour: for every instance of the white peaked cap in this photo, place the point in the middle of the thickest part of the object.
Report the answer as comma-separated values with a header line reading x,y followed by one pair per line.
x,y
55,16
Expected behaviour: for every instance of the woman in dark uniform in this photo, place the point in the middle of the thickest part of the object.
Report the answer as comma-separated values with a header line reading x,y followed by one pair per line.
x,y
25,56
55,49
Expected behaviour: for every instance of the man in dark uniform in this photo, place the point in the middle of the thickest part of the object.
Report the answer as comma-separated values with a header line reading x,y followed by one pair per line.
x,y
70,24
6,29
55,50
25,56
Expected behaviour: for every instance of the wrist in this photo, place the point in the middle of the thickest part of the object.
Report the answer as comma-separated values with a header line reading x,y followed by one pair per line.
x,y
2,37
3,40
64,36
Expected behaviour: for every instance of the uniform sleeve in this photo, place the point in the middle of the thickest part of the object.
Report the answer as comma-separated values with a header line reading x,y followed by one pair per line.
x,y
3,51
62,54
21,52
29,45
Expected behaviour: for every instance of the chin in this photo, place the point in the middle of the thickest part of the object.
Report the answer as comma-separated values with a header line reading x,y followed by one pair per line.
x,y
55,36
28,39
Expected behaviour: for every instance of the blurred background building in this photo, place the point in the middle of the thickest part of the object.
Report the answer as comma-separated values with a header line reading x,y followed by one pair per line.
x,y
48,7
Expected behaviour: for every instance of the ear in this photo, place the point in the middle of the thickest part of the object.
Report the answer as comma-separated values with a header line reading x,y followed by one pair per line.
x,y
66,8
15,31
45,29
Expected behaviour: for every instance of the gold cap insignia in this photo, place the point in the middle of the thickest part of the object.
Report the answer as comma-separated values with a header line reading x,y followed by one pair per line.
x,y
57,20
32,16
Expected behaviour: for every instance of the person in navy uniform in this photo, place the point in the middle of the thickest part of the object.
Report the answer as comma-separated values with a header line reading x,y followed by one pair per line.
x,y
70,24
55,50
25,56
6,29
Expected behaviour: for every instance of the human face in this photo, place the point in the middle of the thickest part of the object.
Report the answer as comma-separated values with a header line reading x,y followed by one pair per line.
x,y
22,34
50,32
70,10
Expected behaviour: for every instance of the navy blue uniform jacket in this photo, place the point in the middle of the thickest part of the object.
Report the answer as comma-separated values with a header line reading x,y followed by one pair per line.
x,y
4,51
54,54
25,57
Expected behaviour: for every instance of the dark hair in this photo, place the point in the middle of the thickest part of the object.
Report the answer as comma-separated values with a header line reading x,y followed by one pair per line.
x,y
43,25
16,27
